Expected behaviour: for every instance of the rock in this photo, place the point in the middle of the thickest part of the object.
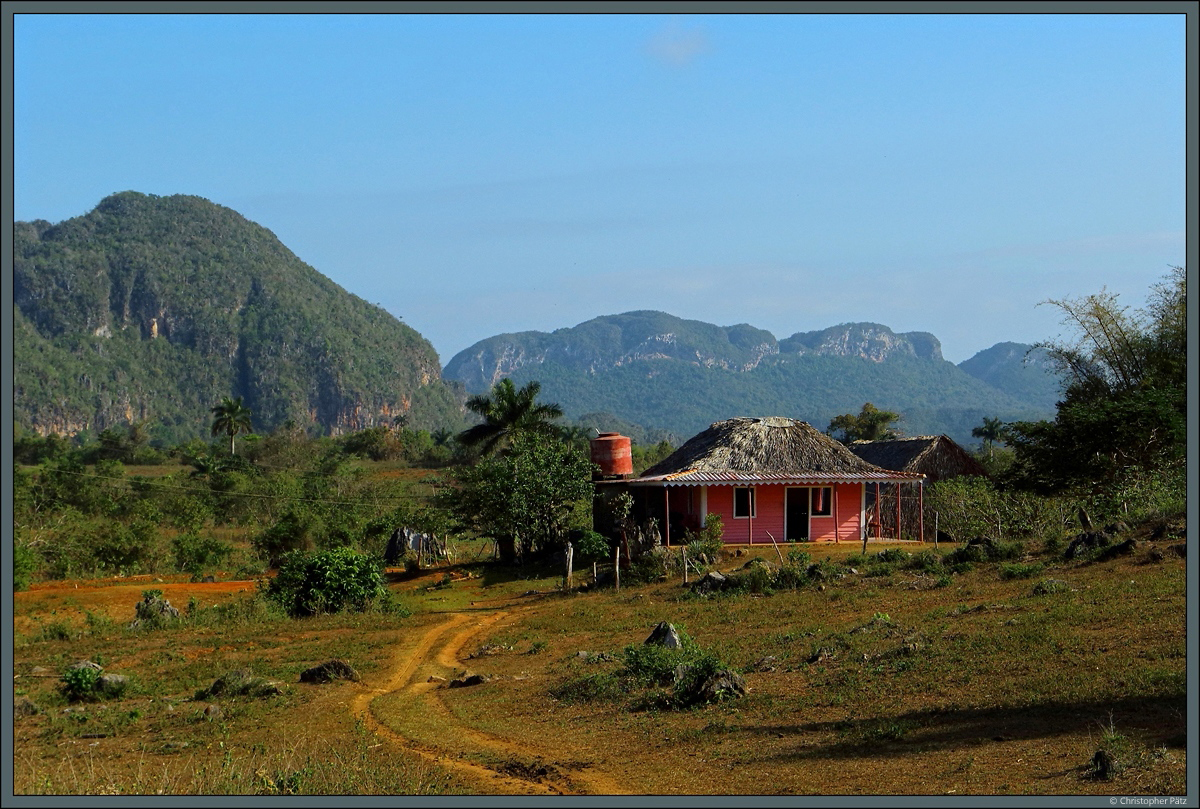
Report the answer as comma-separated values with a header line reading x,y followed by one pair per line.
x,y
1120,549
433,678
209,579
86,664
23,706
740,552
720,685
822,654
152,610
240,683
1104,765
112,684
212,712
470,680
710,582
329,671
1179,549
40,671
664,634
765,664
1085,543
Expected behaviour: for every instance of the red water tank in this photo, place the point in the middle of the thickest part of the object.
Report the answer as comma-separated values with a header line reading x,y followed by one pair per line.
x,y
612,453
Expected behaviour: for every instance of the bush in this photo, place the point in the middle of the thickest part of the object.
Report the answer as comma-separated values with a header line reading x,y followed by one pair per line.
x,y
329,581
592,545
25,562
196,554
1015,570
80,683
707,541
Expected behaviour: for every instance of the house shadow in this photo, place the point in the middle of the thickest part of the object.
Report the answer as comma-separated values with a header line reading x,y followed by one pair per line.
x,y
1156,721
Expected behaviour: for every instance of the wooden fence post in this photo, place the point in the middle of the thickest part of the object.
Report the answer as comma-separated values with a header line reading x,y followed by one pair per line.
x,y
570,560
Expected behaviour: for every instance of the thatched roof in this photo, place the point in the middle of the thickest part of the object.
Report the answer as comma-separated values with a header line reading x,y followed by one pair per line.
x,y
936,456
768,450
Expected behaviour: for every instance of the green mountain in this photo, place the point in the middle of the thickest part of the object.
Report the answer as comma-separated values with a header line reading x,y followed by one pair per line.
x,y
154,308
659,371
1018,369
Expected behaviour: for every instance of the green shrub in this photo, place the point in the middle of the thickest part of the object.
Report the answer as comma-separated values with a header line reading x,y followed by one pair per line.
x,y
798,559
196,554
1015,570
1050,586
592,545
56,630
707,541
329,581
893,556
25,562
926,561
603,685
80,683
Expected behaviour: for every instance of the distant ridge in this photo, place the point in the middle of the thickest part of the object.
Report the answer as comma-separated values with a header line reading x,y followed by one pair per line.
x,y
660,371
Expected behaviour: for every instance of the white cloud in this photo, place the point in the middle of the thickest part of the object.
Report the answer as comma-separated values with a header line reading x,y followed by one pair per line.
x,y
678,46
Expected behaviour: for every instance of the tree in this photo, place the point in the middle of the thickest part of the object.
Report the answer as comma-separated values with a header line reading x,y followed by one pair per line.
x,y
871,424
232,417
524,497
991,431
1125,399
507,413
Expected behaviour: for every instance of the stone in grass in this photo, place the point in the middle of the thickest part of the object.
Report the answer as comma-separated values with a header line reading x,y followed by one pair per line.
x,y
240,683
112,685
329,671
710,582
86,664
23,706
212,712
1048,586
469,680
721,684
666,635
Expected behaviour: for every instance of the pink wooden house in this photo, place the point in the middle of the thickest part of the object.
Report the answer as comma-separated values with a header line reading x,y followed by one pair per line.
x,y
767,478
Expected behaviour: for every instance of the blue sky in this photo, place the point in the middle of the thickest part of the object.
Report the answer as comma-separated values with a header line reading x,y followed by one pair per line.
x,y
479,174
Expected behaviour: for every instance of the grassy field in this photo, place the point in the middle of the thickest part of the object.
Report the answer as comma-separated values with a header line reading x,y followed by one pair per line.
x,y
885,681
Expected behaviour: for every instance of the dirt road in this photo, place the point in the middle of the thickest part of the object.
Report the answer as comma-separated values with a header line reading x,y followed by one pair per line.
x,y
493,765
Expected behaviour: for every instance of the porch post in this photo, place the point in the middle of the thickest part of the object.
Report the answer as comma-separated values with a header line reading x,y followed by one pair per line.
x,y
921,500
836,525
750,517
897,510
667,515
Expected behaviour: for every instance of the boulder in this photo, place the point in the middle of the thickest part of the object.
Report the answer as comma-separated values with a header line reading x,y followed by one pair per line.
x,y
23,706
112,685
1120,549
720,685
710,582
469,680
212,712
86,664
240,683
665,635
329,671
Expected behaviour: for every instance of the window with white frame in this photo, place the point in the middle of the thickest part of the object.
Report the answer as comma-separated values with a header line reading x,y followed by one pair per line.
x,y
743,503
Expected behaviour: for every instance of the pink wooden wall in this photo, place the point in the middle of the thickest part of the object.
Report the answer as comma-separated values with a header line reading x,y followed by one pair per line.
x,y
770,514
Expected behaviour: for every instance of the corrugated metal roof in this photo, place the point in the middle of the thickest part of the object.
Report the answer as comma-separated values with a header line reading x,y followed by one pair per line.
x,y
732,478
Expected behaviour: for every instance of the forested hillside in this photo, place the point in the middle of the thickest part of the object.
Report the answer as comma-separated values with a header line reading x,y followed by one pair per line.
x,y
661,371
154,308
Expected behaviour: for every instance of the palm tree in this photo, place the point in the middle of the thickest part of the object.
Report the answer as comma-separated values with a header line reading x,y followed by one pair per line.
x,y
232,417
991,431
506,412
